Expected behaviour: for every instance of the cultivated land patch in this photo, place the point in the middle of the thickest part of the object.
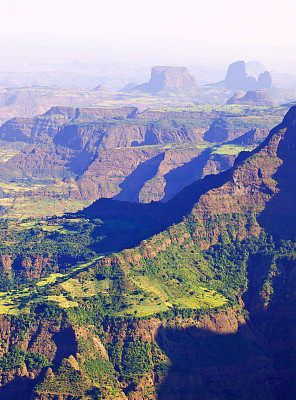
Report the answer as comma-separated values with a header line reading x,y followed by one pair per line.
x,y
66,289
231,149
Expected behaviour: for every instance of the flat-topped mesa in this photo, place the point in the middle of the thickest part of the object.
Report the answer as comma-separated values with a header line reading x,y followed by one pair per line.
x,y
166,77
238,79
260,98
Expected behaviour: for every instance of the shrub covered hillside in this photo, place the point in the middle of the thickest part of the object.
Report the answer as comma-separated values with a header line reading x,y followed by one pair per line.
x,y
203,308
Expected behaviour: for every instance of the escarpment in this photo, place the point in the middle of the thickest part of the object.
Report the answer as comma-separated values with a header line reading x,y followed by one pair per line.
x,y
199,301
241,198
71,349
70,157
249,204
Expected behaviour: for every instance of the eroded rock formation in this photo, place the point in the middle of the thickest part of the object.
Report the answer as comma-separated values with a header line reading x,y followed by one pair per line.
x,y
168,78
260,98
237,78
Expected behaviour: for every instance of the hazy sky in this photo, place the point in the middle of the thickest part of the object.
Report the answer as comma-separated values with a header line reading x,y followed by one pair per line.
x,y
264,24
263,21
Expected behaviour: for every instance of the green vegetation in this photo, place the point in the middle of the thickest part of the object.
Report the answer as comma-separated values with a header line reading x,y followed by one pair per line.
x,y
176,284
179,278
65,381
17,358
231,149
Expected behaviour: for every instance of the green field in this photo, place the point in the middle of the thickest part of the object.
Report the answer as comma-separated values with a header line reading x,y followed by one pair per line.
x,y
231,149
158,297
66,290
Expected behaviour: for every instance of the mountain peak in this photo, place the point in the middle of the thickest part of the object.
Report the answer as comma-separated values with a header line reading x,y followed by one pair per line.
x,y
238,79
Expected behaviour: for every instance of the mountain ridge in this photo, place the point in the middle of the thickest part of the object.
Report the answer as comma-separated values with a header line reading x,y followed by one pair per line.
x,y
205,307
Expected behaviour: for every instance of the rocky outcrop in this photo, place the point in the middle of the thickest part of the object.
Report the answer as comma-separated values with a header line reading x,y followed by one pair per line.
x,y
255,182
260,98
89,113
69,347
237,78
42,337
215,354
258,182
167,78
6,261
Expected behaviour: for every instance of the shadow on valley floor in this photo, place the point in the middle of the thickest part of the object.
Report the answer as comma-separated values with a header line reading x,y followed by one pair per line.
x,y
125,224
208,366
132,185
20,388
182,176
66,344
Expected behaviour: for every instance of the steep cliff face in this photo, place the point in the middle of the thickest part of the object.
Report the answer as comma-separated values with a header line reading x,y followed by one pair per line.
x,y
222,250
214,355
256,185
153,345
29,347
237,78
149,149
221,130
254,198
90,136
30,130
168,78
151,174
254,136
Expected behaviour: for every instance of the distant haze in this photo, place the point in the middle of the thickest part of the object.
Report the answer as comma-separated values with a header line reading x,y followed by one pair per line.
x,y
264,25
36,36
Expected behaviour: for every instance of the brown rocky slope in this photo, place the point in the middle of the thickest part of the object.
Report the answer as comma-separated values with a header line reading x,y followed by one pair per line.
x,y
258,194
211,355
71,157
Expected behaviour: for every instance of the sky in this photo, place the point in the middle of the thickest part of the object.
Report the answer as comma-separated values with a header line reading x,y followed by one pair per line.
x,y
228,27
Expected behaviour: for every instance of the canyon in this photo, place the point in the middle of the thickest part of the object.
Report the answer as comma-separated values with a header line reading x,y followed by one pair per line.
x,y
203,306
78,155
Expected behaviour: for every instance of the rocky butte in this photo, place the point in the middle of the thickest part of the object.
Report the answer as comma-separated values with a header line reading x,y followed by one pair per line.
x,y
238,79
167,78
